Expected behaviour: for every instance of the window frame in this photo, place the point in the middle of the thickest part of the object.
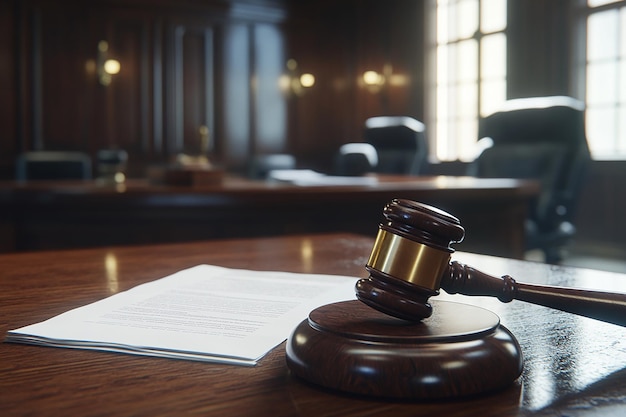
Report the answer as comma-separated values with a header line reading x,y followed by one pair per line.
x,y
581,87
445,147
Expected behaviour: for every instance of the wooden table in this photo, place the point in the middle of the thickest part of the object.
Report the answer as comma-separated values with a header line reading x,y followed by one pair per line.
x,y
55,215
573,366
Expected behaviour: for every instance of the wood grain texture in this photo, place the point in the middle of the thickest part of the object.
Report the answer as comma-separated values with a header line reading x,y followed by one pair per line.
x,y
459,352
573,365
49,215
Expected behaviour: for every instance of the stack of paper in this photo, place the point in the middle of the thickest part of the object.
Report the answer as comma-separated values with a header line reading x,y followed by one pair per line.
x,y
204,313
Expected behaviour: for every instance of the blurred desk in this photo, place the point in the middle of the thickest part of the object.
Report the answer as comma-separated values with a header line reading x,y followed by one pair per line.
x,y
50,215
573,366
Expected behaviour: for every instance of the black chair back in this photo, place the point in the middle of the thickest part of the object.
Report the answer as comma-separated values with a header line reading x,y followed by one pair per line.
x,y
400,143
53,165
354,159
543,139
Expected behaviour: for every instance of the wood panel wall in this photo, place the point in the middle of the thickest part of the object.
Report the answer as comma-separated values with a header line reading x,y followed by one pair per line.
x,y
9,87
216,63
600,216
184,65
212,63
540,35
338,42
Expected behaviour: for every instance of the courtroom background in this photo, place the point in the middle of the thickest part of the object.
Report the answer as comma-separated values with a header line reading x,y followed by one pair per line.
x,y
190,63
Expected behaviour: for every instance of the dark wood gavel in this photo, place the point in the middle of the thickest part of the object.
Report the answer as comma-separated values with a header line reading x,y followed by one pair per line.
x,y
410,262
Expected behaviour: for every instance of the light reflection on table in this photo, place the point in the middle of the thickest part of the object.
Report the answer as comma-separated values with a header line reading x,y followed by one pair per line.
x,y
575,361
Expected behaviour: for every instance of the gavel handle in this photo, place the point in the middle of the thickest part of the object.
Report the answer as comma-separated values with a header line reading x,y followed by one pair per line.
x,y
604,306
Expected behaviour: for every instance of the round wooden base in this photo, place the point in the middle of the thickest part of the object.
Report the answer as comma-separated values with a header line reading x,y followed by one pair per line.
x,y
461,350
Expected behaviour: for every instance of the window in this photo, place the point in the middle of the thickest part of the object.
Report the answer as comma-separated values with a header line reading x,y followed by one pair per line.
x,y
469,77
604,70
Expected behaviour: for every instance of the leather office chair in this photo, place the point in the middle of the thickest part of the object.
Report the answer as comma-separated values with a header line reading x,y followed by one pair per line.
x,y
53,165
540,138
354,159
400,143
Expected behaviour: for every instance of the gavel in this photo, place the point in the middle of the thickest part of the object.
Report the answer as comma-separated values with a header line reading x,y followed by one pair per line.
x,y
411,261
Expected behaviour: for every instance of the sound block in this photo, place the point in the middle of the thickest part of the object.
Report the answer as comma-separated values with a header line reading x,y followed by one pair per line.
x,y
461,350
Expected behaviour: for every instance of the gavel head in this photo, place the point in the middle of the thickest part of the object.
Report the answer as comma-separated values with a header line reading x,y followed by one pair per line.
x,y
410,256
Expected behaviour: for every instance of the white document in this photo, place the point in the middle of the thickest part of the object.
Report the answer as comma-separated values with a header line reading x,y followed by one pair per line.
x,y
307,177
204,313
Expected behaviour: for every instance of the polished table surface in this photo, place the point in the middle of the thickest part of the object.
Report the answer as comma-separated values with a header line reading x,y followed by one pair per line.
x,y
58,214
573,366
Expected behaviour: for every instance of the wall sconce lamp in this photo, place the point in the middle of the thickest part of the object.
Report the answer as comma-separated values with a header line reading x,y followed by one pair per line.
x,y
294,83
374,81
106,67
